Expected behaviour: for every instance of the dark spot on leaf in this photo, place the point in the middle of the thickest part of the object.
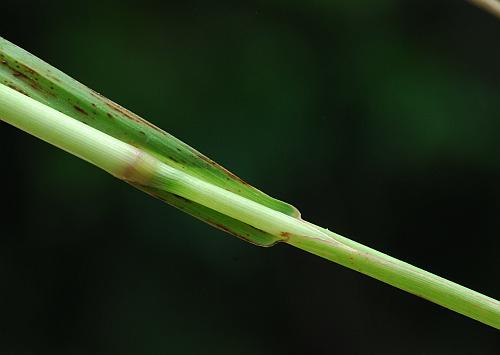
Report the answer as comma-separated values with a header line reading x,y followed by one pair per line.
x,y
55,78
79,109
182,198
18,74
285,235
224,170
130,115
223,227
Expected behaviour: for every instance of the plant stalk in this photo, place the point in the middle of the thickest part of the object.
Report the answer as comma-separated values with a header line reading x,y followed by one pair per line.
x,y
132,164
491,6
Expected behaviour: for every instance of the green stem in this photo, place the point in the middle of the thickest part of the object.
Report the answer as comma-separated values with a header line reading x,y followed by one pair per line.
x,y
406,277
135,165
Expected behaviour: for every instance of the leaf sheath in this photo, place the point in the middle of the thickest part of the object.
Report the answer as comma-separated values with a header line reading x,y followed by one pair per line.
x,y
51,106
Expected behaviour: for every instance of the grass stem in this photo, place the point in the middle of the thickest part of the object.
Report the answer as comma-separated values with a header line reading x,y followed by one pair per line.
x,y
491,6
133,164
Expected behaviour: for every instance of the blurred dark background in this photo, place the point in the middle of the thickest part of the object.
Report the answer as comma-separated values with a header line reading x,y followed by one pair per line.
x,y
377,119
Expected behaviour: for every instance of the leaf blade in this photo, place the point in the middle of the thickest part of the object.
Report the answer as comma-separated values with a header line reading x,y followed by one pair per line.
x,y
37,79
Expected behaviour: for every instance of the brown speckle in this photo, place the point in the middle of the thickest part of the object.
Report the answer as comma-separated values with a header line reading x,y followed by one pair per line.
x,y
224,170
223,227
81,110
124,112
54,78
185,200
285,235
19,74
29,70
131,116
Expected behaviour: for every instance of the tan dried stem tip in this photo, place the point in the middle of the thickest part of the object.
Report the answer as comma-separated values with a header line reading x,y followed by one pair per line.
x,y
492,6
